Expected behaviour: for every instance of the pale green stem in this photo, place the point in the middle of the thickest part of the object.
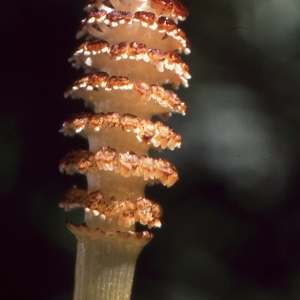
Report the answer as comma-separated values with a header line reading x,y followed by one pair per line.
x,y
105,262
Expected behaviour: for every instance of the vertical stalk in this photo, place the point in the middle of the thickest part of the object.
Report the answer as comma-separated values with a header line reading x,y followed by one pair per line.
x,y
131,49
105,262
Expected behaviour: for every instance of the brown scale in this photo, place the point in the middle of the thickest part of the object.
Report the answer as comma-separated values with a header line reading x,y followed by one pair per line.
x,y
99,25
131,49
170,8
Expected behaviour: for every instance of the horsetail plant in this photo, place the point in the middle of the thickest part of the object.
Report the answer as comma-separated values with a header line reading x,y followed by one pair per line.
x,y
131,49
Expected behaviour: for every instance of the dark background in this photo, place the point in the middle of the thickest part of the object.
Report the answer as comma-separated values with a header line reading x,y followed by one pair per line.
x,y
231,225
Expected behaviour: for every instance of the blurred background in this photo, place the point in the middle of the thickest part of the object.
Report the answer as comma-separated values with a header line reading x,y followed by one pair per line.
x,y
231,225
